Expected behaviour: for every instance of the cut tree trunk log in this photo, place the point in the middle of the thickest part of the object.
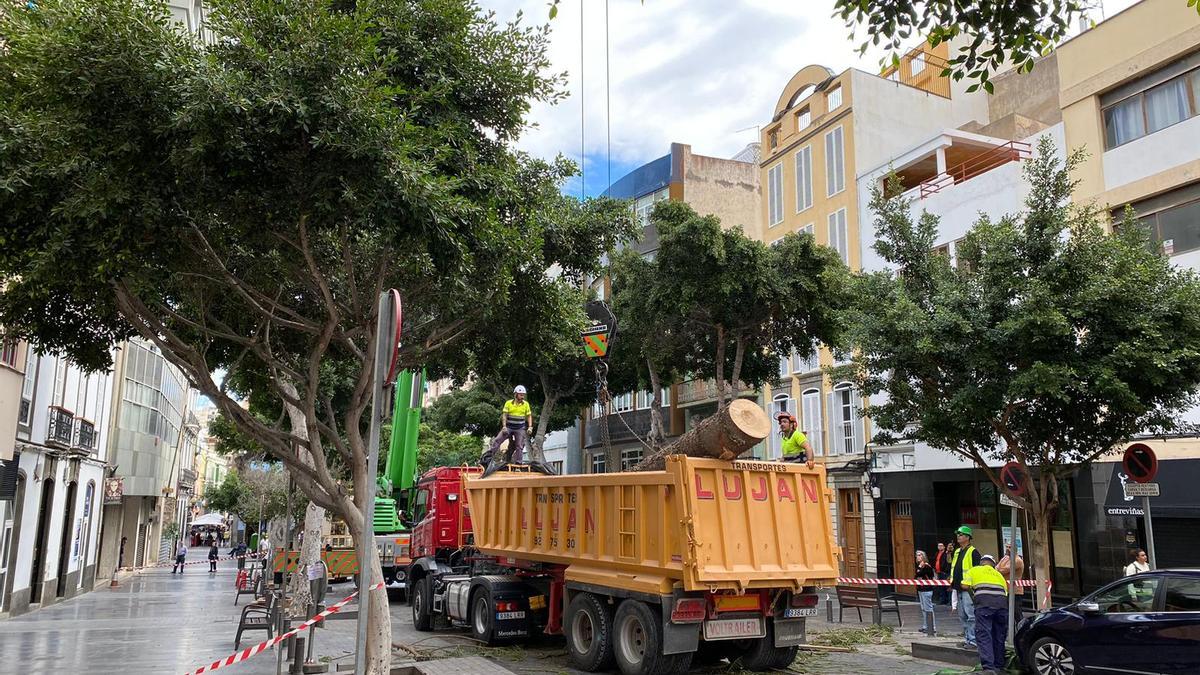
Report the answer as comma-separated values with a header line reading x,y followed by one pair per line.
x,y
732,431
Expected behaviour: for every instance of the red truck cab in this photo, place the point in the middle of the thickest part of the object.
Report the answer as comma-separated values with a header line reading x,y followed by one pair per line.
x,y
440,516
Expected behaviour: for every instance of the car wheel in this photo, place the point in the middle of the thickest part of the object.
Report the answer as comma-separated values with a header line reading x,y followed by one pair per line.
x,y
422,605
588,629
483,617
637,642
1050,657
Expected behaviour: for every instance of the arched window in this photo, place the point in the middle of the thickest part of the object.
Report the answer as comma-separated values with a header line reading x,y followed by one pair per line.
x,y
781,402
810,422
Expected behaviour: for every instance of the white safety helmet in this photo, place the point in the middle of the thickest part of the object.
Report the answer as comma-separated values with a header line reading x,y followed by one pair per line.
x,y
519,389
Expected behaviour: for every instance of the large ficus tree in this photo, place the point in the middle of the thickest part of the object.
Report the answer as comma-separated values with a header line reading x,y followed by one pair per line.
x,y
1050,342
242,200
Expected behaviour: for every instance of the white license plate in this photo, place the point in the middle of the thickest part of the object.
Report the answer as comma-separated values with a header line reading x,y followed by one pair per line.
x,y
729,629
796,613
510,615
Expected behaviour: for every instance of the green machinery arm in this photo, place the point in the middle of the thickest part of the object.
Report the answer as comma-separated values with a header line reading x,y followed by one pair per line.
x,y
401,466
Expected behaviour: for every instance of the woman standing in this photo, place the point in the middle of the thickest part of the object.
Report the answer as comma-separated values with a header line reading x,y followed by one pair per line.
x,y
925,594
1140,563
213,554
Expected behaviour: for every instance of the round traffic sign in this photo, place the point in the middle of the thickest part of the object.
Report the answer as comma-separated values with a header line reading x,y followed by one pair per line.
x,y
1140,463
1013,478
391,320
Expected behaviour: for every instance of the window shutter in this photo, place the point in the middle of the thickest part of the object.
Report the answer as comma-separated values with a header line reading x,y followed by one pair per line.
x,y
856,420
834,432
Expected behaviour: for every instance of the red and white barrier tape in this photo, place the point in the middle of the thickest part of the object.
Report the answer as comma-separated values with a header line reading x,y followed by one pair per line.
x,y
238,657
1046,600
914,582
248,556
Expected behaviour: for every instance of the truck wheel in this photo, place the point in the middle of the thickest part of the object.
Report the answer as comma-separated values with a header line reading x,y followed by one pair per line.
x,y
637,642
762,655
711,653
483,617
589,630
422,605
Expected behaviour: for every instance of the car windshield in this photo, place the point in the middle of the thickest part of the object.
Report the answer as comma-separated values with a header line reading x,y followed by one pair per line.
x,y
1134,595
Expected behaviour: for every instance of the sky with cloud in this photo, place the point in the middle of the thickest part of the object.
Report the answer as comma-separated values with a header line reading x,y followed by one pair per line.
x,y
702,72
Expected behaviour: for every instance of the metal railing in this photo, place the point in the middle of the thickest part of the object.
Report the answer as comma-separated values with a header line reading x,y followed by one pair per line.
x,y
85,435
928,79
1012,151
700,391
61,429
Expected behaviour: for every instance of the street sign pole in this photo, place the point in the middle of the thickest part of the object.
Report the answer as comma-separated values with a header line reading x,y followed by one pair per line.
x,y
1012,578
387,342
1149,532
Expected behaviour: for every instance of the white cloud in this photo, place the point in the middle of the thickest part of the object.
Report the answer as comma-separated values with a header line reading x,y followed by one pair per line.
x,y
695,71
688,71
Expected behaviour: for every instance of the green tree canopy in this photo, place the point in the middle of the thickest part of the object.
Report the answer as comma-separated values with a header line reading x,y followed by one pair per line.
x,y
244,492
1050,343
241,200
730,305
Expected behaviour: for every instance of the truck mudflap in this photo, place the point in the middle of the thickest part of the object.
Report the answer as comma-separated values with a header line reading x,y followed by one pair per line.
x,y
789,632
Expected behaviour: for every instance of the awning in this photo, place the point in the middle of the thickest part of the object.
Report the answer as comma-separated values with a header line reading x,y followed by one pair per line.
x,y
210,519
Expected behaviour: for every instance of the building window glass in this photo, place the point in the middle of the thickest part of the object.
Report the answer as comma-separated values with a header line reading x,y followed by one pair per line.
x,y
843,440
630,457
644,205
834,98
838,235
8,352
804,193
1163,102
599,462
773,138
810,421
1175,228
783,366
806,364
803,119
775,194
623,402
835,162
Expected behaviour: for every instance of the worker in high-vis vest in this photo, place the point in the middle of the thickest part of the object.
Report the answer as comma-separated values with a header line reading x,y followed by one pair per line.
x,y
965,557
795,446
990,590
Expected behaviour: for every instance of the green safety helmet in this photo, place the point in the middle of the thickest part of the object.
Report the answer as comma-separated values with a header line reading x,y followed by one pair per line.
x,y
965,531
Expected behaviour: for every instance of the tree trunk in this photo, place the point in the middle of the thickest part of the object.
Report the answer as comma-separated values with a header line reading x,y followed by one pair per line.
x,y
543,425
299,592
727,434
657,434
739,355
1043,500
379,620
720,380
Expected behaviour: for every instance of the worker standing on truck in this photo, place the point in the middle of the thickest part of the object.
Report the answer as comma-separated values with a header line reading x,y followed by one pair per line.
x,y
516,419
796,447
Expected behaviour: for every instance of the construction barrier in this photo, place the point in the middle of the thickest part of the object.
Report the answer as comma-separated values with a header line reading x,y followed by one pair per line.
x,y
1029,583
238,657
248,556
914,582
341,562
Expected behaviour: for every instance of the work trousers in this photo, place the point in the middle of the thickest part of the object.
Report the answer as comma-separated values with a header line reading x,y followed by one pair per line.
x,y
966,614
518,438
991,627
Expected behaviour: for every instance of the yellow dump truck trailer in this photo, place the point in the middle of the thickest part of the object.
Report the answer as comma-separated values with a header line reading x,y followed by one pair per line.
x,y
704,560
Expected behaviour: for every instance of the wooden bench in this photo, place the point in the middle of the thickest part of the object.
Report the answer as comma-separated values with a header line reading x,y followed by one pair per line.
x,y
258,615
870,596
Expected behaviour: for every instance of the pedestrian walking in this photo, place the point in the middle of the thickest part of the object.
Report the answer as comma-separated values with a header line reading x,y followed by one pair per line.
x,y
964,559
1141,563
1003,567
941,569
925,594
991,612
213,554
239,552
180,556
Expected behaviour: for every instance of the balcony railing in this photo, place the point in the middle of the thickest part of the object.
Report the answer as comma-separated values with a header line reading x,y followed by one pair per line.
x,y
85,435
700,391
928,79
61,429
1012,151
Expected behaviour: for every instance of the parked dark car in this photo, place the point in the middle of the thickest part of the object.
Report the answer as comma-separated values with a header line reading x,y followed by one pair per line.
x,y
1143,624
